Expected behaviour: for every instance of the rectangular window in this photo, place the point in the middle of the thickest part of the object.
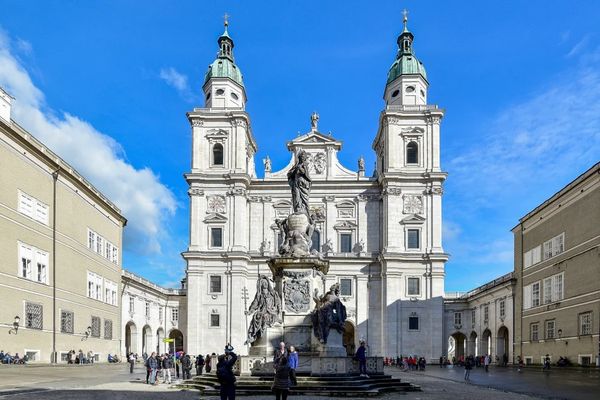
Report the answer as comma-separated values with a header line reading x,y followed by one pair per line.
x,y
215,320
346,287
216,237
554,246
532,257
550,329
108,329
548,290
94,286
534,332
585,323
147,314
91,240
486,313
457,318
33,208
557,287
174,314
215,284
99,244
34,314
110,292
33,263
412,239
108,250
473,317
345,243
95,327
413,323
535,294
131,304
413,286
66,321
160,314
115,255
502,307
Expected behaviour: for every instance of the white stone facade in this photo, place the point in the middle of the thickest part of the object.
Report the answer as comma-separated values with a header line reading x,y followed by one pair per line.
x,y
150,314
382,233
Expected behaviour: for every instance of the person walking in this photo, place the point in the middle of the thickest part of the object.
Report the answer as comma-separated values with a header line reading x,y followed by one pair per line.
x,y
153,367
546,363
281,383
361,356
225,373
519,363
131,361
486,362
177,363
293,363
167,364
208,363
468,367
199,364
186,366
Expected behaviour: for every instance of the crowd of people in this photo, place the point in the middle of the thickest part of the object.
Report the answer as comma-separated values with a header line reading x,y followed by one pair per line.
x,y
7,358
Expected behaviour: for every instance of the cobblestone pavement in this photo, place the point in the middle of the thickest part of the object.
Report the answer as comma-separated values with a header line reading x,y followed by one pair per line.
x,y
115,383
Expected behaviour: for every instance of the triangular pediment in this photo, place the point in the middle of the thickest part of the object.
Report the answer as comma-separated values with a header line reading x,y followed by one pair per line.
x,y
345,225
215,218
314,139
413,219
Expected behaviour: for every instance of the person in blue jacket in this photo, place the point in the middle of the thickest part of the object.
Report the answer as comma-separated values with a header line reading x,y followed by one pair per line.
x,y
293,363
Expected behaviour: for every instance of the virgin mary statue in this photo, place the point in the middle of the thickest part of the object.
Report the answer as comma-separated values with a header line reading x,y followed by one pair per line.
x,y
300,182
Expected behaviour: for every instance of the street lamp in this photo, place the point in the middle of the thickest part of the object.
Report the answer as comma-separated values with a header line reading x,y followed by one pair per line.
x,y
15,324
559,333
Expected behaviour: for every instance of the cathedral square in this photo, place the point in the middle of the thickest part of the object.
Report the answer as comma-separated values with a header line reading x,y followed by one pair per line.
x,y
346,262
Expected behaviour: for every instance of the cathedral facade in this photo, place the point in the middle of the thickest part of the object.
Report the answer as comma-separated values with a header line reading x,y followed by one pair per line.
x,y
382,234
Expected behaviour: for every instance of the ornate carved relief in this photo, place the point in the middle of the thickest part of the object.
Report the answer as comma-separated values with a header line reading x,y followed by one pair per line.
x,y
239,122
392,121
216,204
297,295
236,191
329,198
196,123
346,213
195,192
392,191
413,204
318,213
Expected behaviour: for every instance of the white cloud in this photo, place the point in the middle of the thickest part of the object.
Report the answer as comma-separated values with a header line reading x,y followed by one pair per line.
x,y
554,135
143,199
578,47
177,80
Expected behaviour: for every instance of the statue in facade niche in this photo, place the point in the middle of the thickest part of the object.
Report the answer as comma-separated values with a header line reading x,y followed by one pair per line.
x,y
266,307
329,313
267,163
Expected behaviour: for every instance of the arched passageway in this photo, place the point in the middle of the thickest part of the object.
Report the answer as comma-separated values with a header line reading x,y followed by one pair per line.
x,y
456,346
473,344
131,338
177,343
502,345
486,342
160,345
349,338
147,340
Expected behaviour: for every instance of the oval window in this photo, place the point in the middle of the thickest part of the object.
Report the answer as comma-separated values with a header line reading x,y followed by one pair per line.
x,y
422,93
220,92
410,89
234,96
208,96
396,93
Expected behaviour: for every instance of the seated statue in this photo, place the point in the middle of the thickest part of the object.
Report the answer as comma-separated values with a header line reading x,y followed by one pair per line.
x,y
329,313
266,307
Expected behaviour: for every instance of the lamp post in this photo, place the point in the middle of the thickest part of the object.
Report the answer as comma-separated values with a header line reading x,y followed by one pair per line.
x,y
87,333
15,328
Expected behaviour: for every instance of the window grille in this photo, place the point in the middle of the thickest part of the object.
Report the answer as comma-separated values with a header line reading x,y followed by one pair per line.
x,y
34,314
95,327
66,321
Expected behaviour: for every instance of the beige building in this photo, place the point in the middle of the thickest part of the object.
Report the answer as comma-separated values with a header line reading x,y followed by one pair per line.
x,y
557,266
60,246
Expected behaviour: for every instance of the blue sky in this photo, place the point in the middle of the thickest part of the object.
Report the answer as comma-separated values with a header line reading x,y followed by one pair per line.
x,y
520,82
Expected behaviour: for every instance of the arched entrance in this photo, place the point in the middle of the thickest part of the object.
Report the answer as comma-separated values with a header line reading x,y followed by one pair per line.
x,y
131,338
502,347
473,345
147,340
456,346
160,335
349,338
177,343
486,342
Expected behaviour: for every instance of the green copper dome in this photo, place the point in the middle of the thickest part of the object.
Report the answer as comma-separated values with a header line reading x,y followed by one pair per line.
x,y
224,66
406,63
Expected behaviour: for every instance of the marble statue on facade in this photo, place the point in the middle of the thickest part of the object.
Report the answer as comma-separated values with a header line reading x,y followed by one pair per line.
x,y
329,313
266,307
297,228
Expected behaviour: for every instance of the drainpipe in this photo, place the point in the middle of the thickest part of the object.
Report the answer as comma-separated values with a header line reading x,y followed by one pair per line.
x,y
53,357
522,299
